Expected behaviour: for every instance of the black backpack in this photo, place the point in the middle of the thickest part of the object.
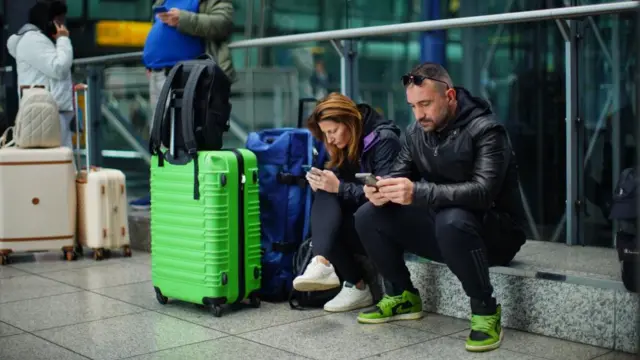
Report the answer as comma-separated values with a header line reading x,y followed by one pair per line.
x,y
624,209
197,115
304,300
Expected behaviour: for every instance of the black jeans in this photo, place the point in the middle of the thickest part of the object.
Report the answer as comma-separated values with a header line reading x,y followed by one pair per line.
x,y
334,235
452,236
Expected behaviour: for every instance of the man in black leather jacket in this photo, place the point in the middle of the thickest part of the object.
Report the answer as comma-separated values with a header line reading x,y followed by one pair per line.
x,y
452,197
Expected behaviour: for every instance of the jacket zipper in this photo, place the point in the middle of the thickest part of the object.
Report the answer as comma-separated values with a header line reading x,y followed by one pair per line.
x,y
449,136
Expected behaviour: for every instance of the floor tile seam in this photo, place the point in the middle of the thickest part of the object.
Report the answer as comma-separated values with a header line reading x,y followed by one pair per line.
x,y
25,332
401,347
273,347
176,347
41,297
115,286
603,355
16,276
60,270
426,331
90,321
520,351
281,324
191,322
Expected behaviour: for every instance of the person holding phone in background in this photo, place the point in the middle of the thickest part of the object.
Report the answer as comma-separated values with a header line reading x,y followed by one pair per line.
x,y
453,197
358,139
44,56
183,30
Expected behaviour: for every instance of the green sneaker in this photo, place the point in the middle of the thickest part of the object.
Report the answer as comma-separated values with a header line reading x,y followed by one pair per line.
x,y
486,332
407,306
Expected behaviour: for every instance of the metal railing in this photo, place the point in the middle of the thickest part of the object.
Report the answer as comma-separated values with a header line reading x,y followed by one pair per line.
x,y
344,42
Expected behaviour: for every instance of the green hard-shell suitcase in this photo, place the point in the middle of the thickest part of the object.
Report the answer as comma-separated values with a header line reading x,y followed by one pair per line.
x,y
206,250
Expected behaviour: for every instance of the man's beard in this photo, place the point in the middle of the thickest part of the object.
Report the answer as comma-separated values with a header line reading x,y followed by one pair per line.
x,y
430,124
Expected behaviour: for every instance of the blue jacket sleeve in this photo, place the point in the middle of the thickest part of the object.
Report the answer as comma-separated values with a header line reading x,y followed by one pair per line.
x,y
383,154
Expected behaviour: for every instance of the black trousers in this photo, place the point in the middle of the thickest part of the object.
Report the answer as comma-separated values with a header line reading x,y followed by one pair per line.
x,y
334,235
453,236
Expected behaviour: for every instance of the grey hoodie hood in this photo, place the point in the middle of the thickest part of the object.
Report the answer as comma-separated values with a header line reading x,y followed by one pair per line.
x,y
12,42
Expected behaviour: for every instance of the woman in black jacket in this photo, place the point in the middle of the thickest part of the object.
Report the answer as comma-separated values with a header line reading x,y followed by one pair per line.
x,y
357,139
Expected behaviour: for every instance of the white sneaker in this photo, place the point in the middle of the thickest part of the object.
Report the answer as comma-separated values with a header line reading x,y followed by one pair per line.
x,y
317,277
350,298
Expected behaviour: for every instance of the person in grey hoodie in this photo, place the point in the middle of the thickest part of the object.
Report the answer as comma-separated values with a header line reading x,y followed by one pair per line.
x,y
44,55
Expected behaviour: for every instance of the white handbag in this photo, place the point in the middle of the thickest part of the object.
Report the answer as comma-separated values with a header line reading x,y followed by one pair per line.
x,y
37,123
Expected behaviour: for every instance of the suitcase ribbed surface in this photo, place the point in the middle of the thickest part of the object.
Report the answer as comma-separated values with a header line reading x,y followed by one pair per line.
x,y
197,244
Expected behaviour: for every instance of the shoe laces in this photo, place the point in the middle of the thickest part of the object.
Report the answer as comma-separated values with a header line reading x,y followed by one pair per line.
x,y
388,301
483,324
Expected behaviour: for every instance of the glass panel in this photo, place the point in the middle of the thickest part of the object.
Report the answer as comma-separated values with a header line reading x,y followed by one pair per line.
x,y
607,66
120,10
74,9
519,68
125,98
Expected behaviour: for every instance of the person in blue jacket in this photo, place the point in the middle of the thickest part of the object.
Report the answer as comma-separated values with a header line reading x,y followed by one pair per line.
x,y
358,140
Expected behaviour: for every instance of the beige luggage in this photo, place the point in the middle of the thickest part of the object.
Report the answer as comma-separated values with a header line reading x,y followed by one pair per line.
x,y
37,201
103,222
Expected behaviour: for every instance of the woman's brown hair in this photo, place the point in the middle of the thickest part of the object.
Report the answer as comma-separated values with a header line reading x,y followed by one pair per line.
x,y
339,108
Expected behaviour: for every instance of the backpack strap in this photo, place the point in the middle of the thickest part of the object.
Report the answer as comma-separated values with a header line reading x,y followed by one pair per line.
x,y
188,133
159,115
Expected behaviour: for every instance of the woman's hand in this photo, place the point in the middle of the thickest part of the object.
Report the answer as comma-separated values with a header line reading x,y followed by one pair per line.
x,y
61,30
323,180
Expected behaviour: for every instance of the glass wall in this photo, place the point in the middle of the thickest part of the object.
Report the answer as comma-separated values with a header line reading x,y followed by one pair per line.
x,y
519,68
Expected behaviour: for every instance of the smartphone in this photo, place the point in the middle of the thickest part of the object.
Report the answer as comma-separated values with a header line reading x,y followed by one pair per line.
x,y
160,9
368,179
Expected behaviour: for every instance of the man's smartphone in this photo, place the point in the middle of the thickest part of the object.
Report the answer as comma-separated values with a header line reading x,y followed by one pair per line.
x,y
160,9
368,179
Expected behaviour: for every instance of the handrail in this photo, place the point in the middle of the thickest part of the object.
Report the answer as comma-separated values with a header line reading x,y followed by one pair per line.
x,y
430,25
419,26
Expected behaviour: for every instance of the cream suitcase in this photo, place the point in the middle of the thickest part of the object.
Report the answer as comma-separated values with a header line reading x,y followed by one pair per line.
x,y
37,201
103,222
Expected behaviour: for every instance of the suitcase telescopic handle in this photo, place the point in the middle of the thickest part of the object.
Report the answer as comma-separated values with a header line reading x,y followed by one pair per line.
x,y
87,124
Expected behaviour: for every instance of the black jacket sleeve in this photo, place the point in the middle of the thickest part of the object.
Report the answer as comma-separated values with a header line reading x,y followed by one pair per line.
x,y
383,154
493,155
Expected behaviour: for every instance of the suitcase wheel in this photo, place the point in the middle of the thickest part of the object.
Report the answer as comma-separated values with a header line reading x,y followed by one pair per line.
x,y
98,254
126,251
70,255
254,300
161,298
217,310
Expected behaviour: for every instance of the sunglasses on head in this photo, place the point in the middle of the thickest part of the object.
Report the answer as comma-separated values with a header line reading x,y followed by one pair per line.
x,y
418,80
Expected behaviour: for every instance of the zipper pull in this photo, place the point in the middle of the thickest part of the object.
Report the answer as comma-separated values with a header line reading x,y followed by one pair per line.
x,y
243,180
435,151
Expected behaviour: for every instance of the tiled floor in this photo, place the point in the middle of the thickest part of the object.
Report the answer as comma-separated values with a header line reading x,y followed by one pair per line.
x,y
55,310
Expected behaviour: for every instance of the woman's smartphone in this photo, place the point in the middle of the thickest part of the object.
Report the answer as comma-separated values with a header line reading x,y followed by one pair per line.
x,y
368,179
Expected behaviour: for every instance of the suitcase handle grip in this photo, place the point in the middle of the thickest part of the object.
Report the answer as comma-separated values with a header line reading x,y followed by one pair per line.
x,y
87,123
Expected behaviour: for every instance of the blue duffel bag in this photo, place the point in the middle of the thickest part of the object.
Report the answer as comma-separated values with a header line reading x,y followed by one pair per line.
x,y
285,200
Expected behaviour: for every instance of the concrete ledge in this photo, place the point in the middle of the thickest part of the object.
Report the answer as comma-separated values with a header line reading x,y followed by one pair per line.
x,y
565,304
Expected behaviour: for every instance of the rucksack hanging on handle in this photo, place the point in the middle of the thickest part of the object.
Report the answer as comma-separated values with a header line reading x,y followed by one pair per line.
x,y
624,210
194,103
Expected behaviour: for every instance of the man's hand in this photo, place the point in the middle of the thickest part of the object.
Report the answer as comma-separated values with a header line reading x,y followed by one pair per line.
x,y
171,17
61,30
374,196
323,180
397,190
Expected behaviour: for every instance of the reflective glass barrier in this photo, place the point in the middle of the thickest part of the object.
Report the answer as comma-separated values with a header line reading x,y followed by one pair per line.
x,y
519,68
